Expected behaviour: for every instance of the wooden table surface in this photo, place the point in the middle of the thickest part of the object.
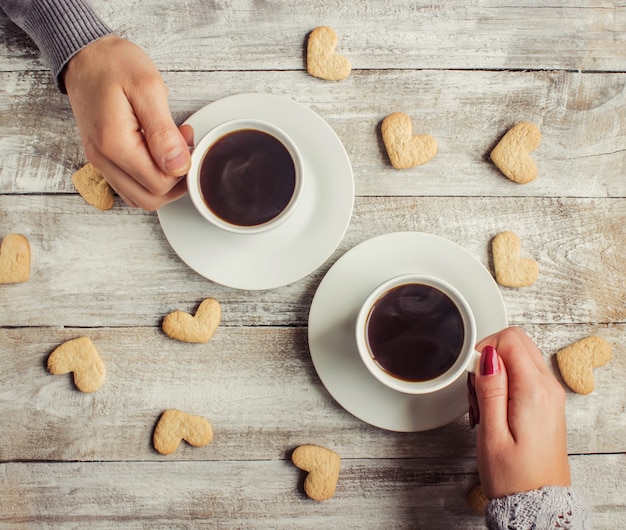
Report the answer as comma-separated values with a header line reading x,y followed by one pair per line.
x,y
464,72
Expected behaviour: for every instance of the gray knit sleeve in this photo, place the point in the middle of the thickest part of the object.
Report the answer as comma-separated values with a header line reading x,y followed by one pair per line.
x,y
60,28
544,509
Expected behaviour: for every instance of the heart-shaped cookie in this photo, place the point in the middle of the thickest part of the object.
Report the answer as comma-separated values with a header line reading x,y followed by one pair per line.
x,y
174,426
93,187
322,466
198,328
512,154
14,259
511,269
80,357
321,58
577,361
477,500
404,149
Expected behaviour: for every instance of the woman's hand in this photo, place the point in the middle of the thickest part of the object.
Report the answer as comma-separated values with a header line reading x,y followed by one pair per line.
x,y
120,103
522,436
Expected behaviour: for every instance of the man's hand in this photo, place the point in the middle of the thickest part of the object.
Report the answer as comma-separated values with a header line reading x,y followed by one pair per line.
x,y
120,103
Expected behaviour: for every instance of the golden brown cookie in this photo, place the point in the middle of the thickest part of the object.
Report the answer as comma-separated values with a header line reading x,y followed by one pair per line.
x,y
322,466
511,269
577,361
80,357
404,149
477,500
198,328
322,60
512,154
93,187
14,259
175,426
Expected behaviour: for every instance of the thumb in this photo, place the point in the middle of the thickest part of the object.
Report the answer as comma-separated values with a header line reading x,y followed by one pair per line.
x,y
492,392
167,145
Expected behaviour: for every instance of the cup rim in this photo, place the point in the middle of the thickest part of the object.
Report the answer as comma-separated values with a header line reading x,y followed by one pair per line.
x,y
464,359
214,135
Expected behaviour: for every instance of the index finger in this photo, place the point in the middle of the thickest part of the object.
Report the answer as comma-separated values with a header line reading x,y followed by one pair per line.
x,y
123,143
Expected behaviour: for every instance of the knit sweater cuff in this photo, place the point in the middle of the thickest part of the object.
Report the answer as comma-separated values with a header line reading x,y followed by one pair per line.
x,y
61,29
547,508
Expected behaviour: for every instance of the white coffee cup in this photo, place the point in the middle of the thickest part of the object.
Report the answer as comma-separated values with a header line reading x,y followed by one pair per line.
x,y
395,323
242,181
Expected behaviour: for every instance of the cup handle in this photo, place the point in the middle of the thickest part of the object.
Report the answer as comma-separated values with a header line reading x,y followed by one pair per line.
x,y
474,364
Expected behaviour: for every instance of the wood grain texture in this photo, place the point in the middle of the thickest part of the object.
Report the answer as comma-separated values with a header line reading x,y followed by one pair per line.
x,y
238,382
248,35
581,117
464,72
115,268
384,493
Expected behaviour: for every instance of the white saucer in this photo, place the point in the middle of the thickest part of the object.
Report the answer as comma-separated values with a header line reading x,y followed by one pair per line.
x,y
306,239
333,314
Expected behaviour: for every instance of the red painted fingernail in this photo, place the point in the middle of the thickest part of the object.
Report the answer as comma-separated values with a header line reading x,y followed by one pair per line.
x,y
472,417
470,385
474,411
489,361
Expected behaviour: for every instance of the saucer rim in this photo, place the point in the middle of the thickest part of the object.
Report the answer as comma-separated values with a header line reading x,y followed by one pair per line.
x,y
342,271
318,246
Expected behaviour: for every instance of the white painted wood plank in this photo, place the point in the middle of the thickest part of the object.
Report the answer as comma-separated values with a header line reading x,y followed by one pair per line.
x,y
245,35
115,268
258,388
422,493
581,116
464,73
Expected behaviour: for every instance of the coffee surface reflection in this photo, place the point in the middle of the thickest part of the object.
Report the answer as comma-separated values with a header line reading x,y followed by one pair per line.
x,y
247,177
415,332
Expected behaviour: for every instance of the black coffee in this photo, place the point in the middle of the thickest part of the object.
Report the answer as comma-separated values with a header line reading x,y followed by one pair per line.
x,y
247,177
415,332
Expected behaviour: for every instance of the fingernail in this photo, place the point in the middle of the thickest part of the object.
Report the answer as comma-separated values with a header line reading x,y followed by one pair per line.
x,y
489,361
470,385
473,411
177,160
472,417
